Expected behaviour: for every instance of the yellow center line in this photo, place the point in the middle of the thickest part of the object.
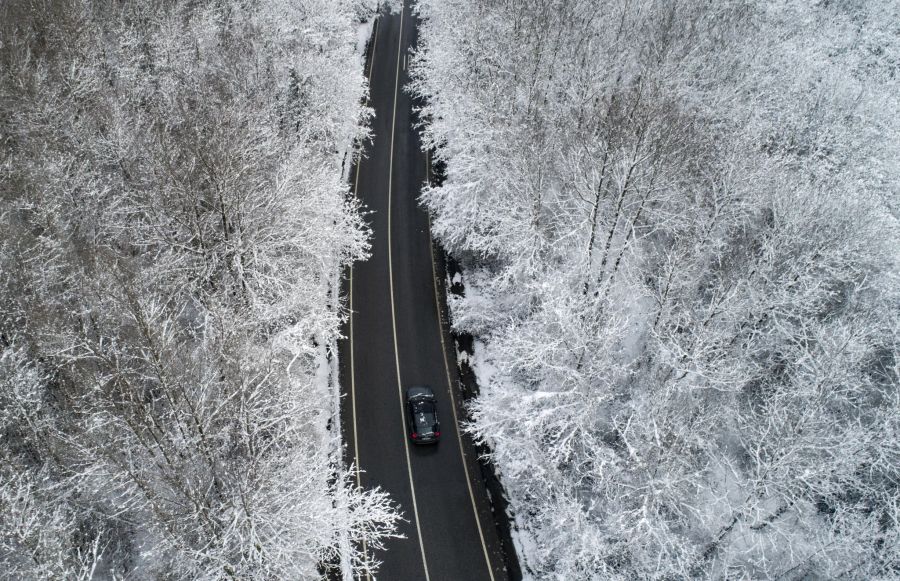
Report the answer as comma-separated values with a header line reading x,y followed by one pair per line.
x,y
352,362
412,486
462,455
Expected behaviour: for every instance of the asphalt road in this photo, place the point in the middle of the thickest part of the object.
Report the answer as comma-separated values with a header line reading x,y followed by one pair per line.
x,y
395,339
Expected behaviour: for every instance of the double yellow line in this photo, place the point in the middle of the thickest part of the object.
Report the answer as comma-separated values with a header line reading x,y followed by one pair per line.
x,y
394,329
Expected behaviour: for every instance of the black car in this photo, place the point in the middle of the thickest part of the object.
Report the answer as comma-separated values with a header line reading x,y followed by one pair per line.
x,y
422,416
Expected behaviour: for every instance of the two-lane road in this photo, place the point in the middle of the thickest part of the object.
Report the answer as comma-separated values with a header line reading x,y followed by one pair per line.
x,y
395,339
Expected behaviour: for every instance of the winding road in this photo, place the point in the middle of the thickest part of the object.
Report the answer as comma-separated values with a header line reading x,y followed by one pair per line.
x,y
395,338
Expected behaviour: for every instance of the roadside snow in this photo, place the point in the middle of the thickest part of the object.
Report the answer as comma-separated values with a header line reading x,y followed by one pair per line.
x,y
486,373
363,34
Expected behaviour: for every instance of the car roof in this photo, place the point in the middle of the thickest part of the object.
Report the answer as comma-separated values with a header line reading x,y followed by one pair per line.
x,y
423,404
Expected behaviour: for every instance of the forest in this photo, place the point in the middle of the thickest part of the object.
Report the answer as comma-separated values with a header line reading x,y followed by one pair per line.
x,y
677,223
174,224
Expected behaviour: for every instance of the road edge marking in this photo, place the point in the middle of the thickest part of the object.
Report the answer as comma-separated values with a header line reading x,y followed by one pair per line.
x,y
352,359
462,455
352,367
412,486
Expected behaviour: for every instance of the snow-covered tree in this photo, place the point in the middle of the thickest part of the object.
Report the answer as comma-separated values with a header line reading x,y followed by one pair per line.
x,y
174,226
678,227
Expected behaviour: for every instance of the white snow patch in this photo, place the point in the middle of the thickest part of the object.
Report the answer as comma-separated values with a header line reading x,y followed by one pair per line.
x,y
483,367
363,34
